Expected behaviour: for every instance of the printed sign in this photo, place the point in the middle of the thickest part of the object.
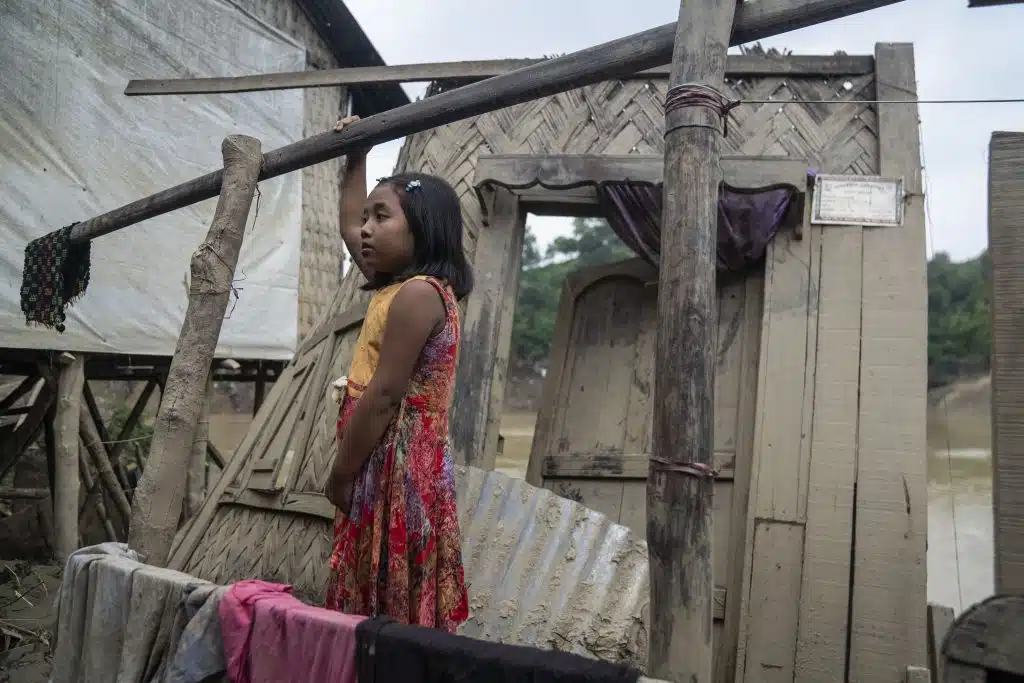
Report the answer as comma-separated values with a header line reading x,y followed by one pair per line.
x,y
857,200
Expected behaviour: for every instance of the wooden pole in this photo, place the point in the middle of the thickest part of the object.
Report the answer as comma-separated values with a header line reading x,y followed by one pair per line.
x,y
195,485
616,59
66,482
464,72
158,497
101,461
679,488
94,494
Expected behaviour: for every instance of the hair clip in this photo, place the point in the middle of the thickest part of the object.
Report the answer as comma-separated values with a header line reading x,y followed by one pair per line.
x,y
412,185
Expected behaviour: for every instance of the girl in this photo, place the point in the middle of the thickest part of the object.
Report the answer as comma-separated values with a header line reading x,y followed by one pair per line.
x,y
397,547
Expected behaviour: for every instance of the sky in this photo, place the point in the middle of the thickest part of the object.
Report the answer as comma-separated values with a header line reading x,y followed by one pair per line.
x,y
960,53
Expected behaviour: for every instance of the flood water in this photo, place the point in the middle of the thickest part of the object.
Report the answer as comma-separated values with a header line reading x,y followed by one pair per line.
x,y
959,499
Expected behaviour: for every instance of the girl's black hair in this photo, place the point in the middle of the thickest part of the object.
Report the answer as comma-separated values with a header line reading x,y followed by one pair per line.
x,y
434,214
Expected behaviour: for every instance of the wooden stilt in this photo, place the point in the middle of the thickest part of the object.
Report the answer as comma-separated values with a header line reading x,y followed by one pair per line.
x,y
680,484
66,481
94,495
104,438
195,484
158,498
104,470
131,422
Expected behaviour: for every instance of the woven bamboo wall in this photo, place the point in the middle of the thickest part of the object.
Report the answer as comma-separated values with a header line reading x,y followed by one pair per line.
x,y
321,251
250,535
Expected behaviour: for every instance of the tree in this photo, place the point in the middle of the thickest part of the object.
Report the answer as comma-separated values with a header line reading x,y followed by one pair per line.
x,y
592,242
959,324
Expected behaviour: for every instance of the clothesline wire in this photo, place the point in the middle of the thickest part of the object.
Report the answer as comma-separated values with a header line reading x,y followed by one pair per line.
x,y
1009,100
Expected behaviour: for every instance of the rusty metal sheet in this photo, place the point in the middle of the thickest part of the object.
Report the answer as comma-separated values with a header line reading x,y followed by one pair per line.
x,y
548,572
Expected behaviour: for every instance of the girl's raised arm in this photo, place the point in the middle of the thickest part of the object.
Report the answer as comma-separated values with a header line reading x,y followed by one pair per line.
x,y
353,198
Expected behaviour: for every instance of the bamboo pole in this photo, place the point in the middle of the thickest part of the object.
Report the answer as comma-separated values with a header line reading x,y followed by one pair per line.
x,y
158,497
680,485
66,481
616,59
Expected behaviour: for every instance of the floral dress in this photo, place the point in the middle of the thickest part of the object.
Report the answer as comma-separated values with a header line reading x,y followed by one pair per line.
x,y
398,550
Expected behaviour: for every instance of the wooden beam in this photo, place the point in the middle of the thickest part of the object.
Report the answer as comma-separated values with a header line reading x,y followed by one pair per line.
x,y
736,66
23,388
14,493
104,437
570,178
679,501
158,498
487,334
1006,249
615,59
101,462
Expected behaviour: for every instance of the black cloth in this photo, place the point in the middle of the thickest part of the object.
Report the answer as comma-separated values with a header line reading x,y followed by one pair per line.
x,y
391,652
56,273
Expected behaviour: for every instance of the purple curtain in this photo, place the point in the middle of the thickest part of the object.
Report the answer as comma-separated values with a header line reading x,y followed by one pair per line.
x,y
748,220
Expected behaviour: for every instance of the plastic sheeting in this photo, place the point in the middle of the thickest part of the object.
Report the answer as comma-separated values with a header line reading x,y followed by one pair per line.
x,y
73,146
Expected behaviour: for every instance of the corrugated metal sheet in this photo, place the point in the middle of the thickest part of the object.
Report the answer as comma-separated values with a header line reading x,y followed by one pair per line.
x,y
548,572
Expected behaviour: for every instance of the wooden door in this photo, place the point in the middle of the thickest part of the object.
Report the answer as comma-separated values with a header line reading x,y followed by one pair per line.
x,y
593,435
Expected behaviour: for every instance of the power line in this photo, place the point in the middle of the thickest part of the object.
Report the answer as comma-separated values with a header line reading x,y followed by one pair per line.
x,y
1009,100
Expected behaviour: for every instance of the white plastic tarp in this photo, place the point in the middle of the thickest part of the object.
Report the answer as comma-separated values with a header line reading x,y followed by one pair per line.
x,y
73,146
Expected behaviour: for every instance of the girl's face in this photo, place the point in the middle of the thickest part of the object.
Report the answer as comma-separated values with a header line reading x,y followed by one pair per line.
x,y
386,244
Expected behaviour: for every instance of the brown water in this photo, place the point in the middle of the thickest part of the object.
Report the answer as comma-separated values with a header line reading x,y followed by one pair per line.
x,y
959,514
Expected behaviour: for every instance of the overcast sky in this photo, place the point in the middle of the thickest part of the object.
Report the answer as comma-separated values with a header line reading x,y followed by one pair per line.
x,y
961,53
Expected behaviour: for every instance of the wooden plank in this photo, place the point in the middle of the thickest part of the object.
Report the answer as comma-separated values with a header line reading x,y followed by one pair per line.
x,y
337,324
619,465
737,66
270,449
825,590
23,388
542,176
768,650
487,334
615,59
781,459
287,473
940,620
1006,250
753,312
888,599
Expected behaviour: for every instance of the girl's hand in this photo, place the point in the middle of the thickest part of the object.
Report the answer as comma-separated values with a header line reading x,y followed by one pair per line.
x,y
347,121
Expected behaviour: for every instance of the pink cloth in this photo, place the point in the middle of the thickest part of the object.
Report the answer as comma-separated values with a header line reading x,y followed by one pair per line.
x,y
270,636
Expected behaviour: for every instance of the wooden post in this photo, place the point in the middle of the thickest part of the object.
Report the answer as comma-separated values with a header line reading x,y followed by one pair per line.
x,y
104,470
195,484
65,477
158,497
94,494
679,498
